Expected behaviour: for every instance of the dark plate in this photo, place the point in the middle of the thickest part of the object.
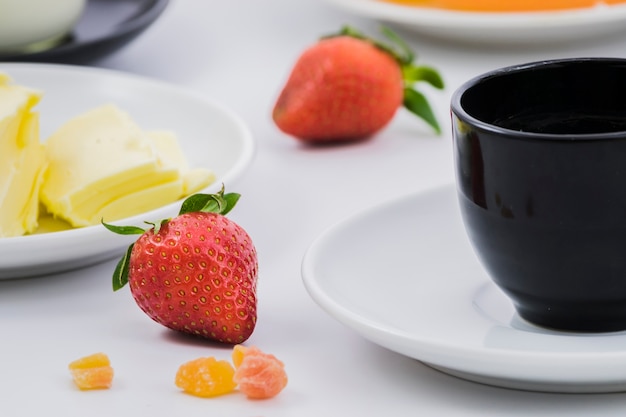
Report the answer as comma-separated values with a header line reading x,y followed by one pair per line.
x,y
106,25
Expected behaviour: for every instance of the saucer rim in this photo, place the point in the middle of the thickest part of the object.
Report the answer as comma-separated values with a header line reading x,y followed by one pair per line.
x,y
586,371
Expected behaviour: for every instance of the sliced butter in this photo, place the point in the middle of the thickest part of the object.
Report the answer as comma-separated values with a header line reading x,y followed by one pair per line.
x,y
171,154
103,166
22,159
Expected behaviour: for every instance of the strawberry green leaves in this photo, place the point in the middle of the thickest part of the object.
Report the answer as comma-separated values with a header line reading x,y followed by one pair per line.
x,y
210,203
398,49
413,74
219,203
414,101
120,274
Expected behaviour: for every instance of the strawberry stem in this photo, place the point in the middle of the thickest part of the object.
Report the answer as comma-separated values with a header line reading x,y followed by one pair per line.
x,y
210,203
414,101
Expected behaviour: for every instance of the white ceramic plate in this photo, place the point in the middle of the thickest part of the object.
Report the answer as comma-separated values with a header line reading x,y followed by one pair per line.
x,y
495,28
211,136
404,276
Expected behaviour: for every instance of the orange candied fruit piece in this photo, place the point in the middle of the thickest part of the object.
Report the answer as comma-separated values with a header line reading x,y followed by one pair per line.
x,y
258,374
92,372
239,352
206,377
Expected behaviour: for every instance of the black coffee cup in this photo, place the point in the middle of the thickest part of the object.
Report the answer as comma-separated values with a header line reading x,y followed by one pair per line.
x,y
540,160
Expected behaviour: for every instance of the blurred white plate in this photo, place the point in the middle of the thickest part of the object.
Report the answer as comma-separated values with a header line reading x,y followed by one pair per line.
x,y
495,28
404,276
211,136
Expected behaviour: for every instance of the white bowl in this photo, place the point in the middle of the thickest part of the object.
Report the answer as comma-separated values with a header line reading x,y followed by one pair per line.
x,y
210,135
31,25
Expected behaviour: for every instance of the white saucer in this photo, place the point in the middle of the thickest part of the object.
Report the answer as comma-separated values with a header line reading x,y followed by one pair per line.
x,y
404,276
496,28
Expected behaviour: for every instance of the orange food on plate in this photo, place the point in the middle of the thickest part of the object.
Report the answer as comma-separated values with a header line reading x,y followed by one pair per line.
x,y
505,5
92,372
258,374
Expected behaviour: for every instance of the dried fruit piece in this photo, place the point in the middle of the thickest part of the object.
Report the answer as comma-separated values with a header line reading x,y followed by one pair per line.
x,y
239,352
258,374
206,377
92,372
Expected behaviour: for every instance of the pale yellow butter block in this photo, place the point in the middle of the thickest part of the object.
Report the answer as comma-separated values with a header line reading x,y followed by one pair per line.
x,y
171,155
22,159
196,179
95,159
166,145
4,78
143,200
102,166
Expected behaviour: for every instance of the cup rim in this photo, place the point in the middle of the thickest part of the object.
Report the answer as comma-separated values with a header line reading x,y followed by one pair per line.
x,y
458,110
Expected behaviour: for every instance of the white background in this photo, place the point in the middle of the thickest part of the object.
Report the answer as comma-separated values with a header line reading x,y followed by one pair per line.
x,y
240,53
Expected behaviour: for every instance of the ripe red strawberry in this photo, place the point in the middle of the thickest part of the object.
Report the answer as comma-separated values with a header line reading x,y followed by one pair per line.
x,y
195,273
347,87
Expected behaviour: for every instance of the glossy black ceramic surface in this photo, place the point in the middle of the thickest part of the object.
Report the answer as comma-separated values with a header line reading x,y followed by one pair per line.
x,y
540,155
105,26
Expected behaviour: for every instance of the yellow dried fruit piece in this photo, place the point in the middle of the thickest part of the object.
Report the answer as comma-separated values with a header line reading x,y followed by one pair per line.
x,y
206,377
239,351
92,372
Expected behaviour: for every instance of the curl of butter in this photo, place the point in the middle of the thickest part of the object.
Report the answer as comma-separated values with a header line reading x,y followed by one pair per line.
x,y
103,166
22,159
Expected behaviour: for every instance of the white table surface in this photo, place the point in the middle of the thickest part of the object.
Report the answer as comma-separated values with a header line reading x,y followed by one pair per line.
x,y
240,53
